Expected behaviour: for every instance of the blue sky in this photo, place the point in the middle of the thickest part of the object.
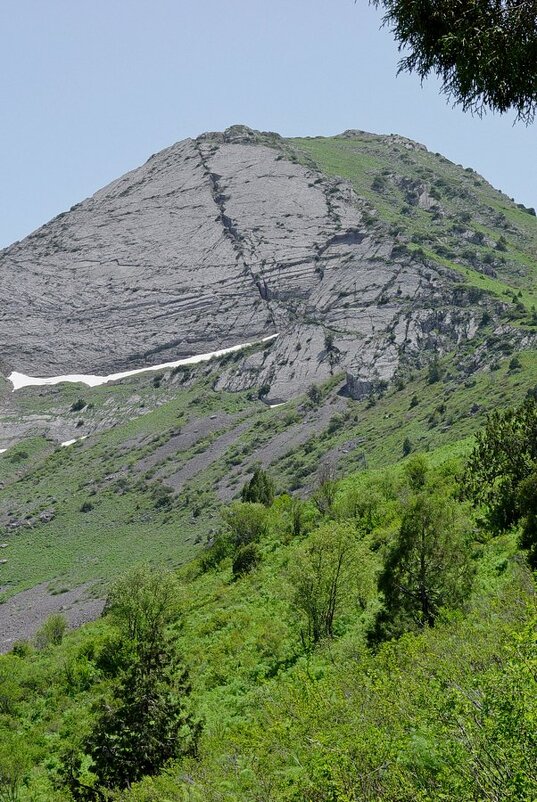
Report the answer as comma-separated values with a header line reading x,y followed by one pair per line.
x,y
90,89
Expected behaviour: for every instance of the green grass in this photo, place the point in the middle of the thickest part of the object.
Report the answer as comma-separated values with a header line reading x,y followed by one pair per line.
x,y
367,157
125,526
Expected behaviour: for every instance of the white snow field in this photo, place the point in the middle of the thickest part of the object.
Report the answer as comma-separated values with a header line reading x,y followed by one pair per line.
x,y
19,380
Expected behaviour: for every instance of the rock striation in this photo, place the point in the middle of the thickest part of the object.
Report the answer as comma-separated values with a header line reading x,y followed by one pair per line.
x,y
219,240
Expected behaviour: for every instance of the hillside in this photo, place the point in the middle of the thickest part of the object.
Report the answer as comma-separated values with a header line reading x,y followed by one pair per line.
x,y
382,362
254,520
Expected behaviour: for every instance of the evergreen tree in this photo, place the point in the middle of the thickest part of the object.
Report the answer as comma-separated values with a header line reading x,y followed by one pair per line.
x,y
504,456
145,721
428,568
483,51
260,488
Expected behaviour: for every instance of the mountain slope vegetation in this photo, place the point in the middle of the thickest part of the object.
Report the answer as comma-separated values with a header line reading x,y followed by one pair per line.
x,y
309,587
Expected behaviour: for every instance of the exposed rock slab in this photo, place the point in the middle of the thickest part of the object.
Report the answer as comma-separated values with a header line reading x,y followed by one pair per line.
x,y
215,241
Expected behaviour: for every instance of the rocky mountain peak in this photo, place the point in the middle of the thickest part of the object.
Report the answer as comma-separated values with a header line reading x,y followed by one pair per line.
x,y
234,236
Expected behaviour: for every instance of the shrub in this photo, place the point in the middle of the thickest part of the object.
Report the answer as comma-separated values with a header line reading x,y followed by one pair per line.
x,y
246,558
52,631
407,447
260,489
78,405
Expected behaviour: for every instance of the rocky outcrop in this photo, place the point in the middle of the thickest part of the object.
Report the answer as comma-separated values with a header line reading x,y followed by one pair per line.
x,y
216,241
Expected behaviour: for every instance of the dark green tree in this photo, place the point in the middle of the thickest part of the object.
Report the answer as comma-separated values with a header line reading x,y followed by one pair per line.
x,y
428,568
483,51
145,721
145,725
527,502
505,455
260,488
407,446
434,373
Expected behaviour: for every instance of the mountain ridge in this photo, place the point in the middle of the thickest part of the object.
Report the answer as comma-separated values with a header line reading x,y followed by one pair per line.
x,y
237,235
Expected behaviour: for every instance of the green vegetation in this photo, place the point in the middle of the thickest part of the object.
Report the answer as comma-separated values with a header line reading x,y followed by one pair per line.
x,y
482,52
373,641
494,248
142,722
330,601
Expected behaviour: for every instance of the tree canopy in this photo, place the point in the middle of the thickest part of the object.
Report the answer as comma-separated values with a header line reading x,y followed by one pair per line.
x,y
429,567
483,51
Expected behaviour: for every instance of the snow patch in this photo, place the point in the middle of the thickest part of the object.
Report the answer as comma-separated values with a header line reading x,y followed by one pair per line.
x,y
75,440
2,450
19,380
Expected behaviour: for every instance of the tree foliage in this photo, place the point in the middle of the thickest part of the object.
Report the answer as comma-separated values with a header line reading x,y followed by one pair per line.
x,y
141,604
483,51
260,488
15,766
504,456
428,568
145,721
320,576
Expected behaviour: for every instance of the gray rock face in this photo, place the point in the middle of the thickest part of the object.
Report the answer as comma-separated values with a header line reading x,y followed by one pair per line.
x,y
214,242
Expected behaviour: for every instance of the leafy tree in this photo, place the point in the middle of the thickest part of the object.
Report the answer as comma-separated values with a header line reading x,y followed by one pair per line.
x,y
141,604
320,575
245,523
416,470
428,568
483,51
505,455
146,721
260,488
325,494
15,765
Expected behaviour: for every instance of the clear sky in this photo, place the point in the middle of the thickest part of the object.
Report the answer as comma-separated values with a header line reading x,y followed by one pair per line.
x,y
91,88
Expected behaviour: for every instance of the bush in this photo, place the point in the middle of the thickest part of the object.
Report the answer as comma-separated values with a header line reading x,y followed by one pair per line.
x,y
52,631
260,489
314,394
246,558
78,405
245,523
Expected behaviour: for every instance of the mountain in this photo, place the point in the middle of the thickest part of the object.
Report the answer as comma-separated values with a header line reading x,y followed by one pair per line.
x,y
401,288
364,253
312,586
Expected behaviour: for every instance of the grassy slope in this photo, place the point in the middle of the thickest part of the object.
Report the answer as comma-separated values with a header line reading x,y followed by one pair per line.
x,y
272,711
126,524
365,158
